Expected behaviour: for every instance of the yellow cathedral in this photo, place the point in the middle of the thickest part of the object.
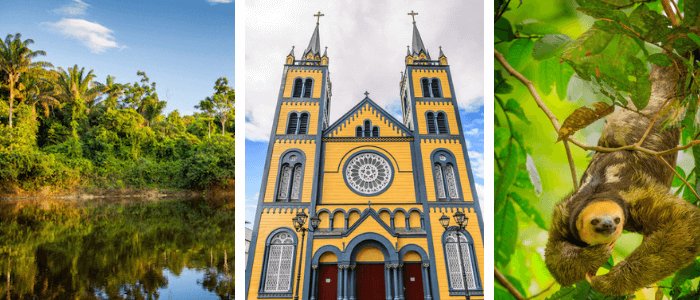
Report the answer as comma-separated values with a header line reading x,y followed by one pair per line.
x,y
380,194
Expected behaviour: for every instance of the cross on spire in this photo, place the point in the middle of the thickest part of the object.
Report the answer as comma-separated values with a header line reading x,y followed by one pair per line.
x,y
318,16
366,94
413,15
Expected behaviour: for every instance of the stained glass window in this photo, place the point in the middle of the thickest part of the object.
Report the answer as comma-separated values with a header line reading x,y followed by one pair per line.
x,y
284,180
455,270
296,183
280,261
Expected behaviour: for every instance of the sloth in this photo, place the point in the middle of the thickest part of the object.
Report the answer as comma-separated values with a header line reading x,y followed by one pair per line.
x,y
627,190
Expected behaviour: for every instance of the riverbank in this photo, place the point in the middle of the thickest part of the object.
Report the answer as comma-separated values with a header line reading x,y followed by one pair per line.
x,y
107,193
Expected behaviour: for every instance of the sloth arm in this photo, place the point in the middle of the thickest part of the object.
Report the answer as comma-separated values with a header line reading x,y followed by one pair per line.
x,y
671,227
568,262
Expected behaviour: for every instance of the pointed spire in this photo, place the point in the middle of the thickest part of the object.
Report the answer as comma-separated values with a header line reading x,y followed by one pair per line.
x,y
441,54
408,50
315,42
325,51
417,44
292,52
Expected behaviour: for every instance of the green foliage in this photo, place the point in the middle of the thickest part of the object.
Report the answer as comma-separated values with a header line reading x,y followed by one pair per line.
x,y
576,53
70,131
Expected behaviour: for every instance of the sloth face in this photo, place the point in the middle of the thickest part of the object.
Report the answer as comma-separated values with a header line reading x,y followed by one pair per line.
x,y
600,222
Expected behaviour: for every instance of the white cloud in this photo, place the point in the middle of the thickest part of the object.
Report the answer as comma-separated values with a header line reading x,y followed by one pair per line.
x,y
219,1
476,160
366,46
93,35
480,192
75,8
472,132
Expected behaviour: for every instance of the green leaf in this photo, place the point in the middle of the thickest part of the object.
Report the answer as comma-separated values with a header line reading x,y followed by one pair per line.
x,y
547,75
677,181
501,85
514,108
694,37
513,159
549,46
531,27
503,31
505,233
660,59
519,53
688,273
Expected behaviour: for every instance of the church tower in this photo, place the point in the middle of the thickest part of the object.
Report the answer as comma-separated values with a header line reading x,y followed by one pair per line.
x,y
291,169
379,189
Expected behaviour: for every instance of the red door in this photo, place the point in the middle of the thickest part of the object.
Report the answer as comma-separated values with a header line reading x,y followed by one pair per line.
x,y
327,282
412,281
370,282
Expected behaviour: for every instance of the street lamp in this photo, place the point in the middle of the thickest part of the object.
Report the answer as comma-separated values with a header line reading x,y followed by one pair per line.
x,y
299,220
462,221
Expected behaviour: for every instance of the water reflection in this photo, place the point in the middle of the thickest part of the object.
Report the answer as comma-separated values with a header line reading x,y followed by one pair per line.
x,y
164,249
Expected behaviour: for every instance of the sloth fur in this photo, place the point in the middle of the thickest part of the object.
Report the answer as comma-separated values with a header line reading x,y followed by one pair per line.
x,y
639,183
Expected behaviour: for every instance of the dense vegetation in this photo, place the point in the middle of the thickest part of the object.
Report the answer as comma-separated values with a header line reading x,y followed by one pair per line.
x,y
62,129
68,250
570,54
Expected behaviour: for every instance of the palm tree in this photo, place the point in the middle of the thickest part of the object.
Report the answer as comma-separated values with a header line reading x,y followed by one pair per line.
x,y
16,59
77,90
38,89
112,91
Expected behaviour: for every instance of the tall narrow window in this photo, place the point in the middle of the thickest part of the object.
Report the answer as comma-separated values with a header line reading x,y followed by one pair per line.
x,y
284,180
368,128
435,87
375,131
425,84
439,182
308,84
280,262
453,258
445,177
298,85
430,120
441,123
296,184
292,123
358,131
291,177
303,123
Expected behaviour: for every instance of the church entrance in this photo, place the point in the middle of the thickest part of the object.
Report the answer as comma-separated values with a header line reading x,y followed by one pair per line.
x,y
327,282
370,281
413,281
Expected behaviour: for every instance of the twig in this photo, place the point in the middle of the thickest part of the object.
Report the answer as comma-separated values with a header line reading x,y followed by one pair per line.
x,y
572,166
540,293
669,12
506,284
678,11
680,177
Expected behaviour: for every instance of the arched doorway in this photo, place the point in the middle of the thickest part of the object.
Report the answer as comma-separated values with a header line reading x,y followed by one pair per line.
x,y
412,276
328,277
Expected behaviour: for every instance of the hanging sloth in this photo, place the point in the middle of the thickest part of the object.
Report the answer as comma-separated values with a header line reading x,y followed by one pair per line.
x,y
627,190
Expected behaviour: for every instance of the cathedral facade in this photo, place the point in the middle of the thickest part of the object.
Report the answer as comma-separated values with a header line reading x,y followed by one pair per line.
x,y
375,187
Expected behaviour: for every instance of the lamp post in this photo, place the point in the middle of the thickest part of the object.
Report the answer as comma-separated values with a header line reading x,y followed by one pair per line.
x,y
299,221
462,221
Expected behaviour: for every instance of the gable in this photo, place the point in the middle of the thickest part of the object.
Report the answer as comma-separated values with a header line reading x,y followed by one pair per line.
x,y
367,110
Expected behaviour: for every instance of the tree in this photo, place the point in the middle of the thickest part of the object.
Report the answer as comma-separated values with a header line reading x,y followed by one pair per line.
x,y
142,97
16,59
220,105
112,91
79,92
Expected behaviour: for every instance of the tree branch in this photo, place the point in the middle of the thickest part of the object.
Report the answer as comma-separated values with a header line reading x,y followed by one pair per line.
x,y
670,13
506,284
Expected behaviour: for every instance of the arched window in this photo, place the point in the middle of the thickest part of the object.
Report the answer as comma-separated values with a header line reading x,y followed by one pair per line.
x,y
447,186
303,123
435,87
308,84
291,176
453,257
441,123
279,262
367,130
292,123
425,83
298,86
430,120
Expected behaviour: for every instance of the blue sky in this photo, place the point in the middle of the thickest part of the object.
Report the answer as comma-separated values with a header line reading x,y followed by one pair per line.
x,y
182,45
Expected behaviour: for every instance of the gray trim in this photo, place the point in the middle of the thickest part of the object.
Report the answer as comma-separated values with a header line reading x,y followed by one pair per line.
x,y
379,109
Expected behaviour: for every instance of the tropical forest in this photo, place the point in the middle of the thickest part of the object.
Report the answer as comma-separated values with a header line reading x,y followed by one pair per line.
x,y
103,195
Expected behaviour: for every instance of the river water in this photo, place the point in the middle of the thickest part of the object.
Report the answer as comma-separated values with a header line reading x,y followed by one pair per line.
x,y
116,248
